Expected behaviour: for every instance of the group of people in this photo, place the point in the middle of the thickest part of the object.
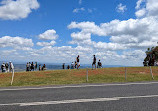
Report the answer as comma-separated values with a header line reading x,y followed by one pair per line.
x,y
76,64
7,67
99,65
42,68
151,58
32,67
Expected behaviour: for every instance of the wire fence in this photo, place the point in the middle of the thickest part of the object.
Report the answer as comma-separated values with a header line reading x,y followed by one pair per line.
x,y
74,76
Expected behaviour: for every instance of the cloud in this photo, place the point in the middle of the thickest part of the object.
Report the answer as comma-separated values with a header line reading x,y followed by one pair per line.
x,y
87,27
17,9
132,33
80,36
149,8
133,27
140,12
152,7
90,10
80,2
121,8
109,46
46,43
139,2
127,40
48,35
77,10
16,43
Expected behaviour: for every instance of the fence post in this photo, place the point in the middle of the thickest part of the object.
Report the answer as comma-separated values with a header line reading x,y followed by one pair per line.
x,y
151,73
12,76
125,73
87,76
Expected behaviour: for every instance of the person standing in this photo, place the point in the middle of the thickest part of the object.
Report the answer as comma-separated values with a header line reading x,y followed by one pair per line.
x,y
35,65
32,66
11,66
68,67
78,61
72,65
3,67
99,64
63,65
44,67
94,62
39,67
27,66
7,67
75,64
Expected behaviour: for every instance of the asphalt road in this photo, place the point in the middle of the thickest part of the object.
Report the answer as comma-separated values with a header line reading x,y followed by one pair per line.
x,y
89,97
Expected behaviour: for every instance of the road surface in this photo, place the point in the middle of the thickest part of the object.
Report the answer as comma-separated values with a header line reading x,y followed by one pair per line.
x,y
141,96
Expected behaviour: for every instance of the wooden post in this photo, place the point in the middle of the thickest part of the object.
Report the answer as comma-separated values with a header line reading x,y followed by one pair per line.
x,y
12,76
125,73
87,76
151,73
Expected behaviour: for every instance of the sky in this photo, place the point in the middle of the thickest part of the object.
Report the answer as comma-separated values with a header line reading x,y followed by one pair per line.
x,y
118,32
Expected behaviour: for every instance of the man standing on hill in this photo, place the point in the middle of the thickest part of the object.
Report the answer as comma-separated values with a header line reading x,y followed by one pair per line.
x,y
78,61
7,67
11,66
3,67
94,62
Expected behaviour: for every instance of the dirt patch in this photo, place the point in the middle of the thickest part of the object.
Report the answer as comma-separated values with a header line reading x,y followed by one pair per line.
x,y
79,73
5,75
90,72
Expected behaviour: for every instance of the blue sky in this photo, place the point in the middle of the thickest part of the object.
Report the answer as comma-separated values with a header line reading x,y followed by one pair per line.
x,y
117,31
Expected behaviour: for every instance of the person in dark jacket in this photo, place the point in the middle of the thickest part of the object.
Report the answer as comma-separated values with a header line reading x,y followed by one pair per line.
x,y
94,61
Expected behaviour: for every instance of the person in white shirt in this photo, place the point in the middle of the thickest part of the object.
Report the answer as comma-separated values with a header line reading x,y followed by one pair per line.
x,y
11,66
72,65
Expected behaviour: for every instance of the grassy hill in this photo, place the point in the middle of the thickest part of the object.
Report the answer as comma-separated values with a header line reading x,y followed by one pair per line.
x,y
61,77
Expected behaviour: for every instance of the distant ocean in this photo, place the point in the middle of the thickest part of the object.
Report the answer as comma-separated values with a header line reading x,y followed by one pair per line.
x,y
20,67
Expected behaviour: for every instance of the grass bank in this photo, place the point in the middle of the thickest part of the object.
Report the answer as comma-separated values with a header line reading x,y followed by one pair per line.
x,y
62,77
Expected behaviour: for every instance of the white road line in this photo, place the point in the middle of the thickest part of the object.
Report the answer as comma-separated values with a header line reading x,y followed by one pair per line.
x,y
77,101
78,86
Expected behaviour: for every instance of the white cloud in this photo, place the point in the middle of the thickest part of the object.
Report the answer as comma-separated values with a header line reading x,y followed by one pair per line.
x,y
46,43
80,36
87,27
17,9
90,10
77,10
139,2
80,2
16,43
48,35
8,52
109,46
132,31
140,12
130,37
150,8
124,39
135,55
121,8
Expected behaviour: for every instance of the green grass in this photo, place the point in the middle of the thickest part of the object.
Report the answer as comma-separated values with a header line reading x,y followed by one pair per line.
x,y
62,77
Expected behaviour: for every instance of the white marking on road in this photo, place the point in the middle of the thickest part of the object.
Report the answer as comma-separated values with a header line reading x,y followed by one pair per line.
x,y
77,86
77,101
